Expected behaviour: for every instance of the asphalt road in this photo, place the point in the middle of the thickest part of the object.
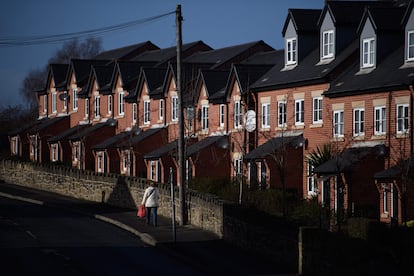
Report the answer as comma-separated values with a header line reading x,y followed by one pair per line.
x,y
38,240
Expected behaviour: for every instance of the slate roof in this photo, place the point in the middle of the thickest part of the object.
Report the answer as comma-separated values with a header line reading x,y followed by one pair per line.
x,y
58,72
87,131
26,127
103,76
343,162
204,143
82,68
127,52
264,58
139,138
214,81
390,74
67,133
44,124
307,72
129,72
112,141
384,18
167,149
225,56
273,144
395,172
304,20
349,13
163,56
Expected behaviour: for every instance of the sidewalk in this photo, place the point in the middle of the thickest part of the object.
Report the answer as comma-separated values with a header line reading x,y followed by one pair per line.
x,y
121,217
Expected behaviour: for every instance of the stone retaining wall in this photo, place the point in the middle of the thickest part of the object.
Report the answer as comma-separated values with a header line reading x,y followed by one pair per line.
x,y
203,210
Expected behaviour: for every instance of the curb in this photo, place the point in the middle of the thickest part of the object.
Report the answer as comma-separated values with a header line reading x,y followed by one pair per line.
x,y
145,237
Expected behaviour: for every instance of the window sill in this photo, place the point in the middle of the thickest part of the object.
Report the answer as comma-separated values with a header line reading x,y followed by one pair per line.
x,y
402,135
316,125
338,139
378,136
299,126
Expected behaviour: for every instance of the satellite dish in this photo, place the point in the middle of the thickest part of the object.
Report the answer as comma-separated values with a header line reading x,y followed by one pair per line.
x,y
250,120
111,122
64,96
190,113
223,142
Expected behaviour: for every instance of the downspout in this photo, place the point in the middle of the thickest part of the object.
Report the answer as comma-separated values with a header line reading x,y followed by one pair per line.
x,y
411,120
389,129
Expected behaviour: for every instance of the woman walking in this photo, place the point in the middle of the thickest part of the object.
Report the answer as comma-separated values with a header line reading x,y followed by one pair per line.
x,y
150,200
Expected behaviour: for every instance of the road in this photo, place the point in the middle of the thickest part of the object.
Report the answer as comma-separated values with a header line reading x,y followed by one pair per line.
x,y
39,240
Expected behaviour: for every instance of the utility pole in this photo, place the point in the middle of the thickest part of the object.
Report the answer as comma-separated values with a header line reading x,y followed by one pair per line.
x,y
181,155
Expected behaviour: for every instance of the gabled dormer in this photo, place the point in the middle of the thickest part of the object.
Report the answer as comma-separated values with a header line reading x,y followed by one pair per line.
x,y
300,35
338,26
53,99
380,32
150,98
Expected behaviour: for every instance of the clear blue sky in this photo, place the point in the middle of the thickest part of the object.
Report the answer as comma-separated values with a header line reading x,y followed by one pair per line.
x,y
219,23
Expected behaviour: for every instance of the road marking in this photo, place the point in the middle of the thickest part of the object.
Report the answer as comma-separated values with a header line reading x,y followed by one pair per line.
x,y
31,234
34,201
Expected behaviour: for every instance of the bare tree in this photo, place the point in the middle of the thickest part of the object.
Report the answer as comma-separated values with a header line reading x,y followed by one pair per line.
x,y
72,49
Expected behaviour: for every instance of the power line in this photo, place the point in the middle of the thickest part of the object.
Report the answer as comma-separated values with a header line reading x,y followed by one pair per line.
x,y
45,39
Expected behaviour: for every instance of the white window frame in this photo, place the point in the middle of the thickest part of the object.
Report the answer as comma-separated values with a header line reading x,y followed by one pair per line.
x,y
75,99
100,156
237,115
55,152
54,96
65,100
87,107
109,104
380,119
265,115
174,108
154,164
15,145
311,187
121,103
147,112
317,110
385,195
221,114
76,151
204,118
238,166
338,123
45,103
403,119
291,51
368,52
97,107
328,44
410,46
134,113
161,109
281,113
359,121
299,112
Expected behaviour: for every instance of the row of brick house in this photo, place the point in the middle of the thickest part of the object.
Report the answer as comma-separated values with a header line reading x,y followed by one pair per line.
x,y
344,78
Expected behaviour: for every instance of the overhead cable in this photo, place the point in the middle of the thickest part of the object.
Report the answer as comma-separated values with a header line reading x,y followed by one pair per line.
x,y
45,39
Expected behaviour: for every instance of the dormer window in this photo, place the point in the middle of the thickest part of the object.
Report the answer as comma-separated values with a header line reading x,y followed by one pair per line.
x,y
368,52
410,46
291,51
328,44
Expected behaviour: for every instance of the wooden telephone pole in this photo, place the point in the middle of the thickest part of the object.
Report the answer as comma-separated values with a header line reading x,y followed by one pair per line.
x,y
181,155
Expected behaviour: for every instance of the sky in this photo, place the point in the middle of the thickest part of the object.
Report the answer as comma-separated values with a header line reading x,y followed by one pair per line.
x,y
218,23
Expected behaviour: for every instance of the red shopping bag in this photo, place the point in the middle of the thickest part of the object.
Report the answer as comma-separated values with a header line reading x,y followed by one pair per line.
x,y
141,211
